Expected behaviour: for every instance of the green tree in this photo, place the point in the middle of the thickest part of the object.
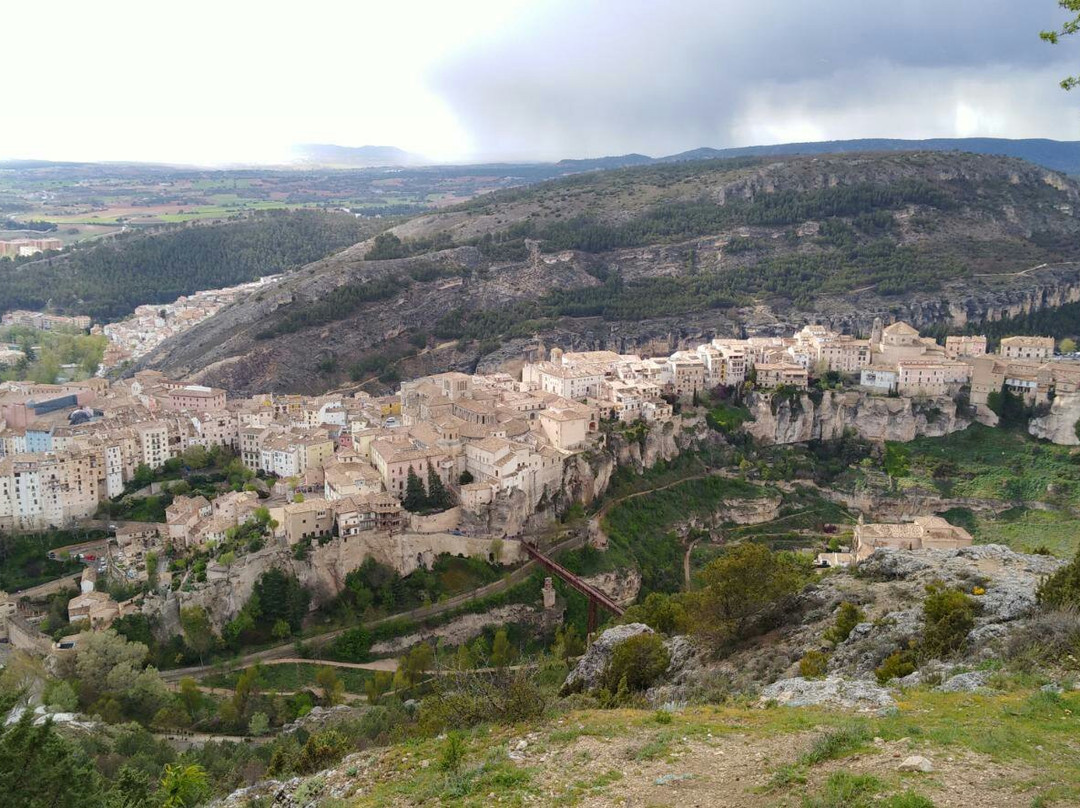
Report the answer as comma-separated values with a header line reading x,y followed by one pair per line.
x,y
948,616
1067,345
639,661
332,687
183,786
40,769
847,617
198,630
1068,28
278,595
1062,589
378,686
415,496
259,724
191,697
438,496
143,476
105,661
742,592
503,653
60,695
414,664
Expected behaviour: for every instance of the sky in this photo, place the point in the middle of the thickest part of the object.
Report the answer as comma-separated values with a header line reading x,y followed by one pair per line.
x,y
234,81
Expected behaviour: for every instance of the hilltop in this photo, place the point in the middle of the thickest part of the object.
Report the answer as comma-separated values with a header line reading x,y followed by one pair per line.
x,y
647,258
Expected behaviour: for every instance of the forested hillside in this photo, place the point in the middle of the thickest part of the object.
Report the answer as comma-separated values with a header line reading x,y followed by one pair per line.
x,y
109,280
642,258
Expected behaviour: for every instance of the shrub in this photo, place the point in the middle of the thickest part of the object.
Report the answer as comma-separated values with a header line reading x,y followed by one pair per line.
x,y
896,666
743,591
1062,589
660,612
813,665
836,743
467,698
641,660
452,754
948,615
847,617
1047,639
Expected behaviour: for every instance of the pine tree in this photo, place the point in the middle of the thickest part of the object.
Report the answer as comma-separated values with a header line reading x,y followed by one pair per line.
x,y
438,496
415,496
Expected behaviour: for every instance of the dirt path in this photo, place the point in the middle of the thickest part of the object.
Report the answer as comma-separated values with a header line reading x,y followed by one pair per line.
x,y
686,562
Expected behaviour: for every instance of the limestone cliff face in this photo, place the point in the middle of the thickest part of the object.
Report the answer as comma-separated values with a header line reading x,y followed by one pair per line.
x,y
1059,425
800,419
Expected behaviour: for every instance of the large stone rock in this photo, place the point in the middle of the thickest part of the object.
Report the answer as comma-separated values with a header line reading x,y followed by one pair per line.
x,y
965,682
846,694
1059,425
837,412
589,671
588,674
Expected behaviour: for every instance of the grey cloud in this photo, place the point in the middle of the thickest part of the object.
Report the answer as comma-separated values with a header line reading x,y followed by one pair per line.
x,y
630,75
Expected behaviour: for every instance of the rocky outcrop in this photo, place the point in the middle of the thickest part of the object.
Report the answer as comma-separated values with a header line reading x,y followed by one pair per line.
x,y
462,629
844,694
828,415
1059,425
588,674
621,586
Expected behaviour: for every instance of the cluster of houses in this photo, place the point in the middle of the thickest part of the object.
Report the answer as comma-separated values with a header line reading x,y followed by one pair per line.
x,y
341,465
150,325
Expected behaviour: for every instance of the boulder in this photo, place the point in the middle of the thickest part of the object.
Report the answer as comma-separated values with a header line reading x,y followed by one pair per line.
x,y
916,763
589,671
965,682
847,694
588,674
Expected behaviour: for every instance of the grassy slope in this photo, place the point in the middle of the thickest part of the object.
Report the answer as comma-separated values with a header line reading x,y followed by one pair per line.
x,y
1016,748
1006,466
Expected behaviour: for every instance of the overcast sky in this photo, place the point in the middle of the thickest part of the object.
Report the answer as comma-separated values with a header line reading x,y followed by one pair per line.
x,y
458,80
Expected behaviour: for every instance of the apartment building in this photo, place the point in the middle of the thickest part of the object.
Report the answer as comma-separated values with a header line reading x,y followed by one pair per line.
x,y
966,346
771,375
929,377
1027,348
196,398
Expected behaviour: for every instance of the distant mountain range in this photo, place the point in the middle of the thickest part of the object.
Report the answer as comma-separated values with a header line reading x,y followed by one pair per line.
x,y
1056,154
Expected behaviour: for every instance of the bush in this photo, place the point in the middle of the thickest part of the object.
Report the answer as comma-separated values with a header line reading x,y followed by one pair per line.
x,y
1062,589
847,617
743,592
660,612
468,698
948,615
1047,639
896,666
813,665
641,660
352,646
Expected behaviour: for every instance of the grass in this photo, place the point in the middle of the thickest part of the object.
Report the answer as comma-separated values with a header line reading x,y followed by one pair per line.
x,y
986,463
1020,729
293,677
1022,529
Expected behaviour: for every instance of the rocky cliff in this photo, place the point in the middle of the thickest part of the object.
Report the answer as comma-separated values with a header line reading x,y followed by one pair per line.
x,y
995,238
1060,423
827,416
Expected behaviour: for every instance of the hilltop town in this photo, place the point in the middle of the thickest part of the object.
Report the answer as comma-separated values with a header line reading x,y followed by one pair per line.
x,y
450,462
